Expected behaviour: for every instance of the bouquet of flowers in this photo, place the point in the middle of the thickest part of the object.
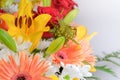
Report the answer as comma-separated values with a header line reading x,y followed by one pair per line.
x,y
39,41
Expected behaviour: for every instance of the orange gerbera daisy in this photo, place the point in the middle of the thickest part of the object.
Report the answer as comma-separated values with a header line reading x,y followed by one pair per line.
x,y
29,68
75,54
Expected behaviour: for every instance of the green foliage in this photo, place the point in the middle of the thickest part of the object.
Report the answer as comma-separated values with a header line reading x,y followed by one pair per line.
x,y
92,78
109,57
105,69
46,3
64,30
7,40
70,16
55,45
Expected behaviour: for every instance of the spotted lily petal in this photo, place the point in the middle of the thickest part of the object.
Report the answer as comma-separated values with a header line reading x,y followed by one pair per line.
x,y
40,27
10,21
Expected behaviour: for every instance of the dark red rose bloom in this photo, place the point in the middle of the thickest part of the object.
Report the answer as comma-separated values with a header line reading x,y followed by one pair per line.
x,y
47,35
52,11
63,6
2,11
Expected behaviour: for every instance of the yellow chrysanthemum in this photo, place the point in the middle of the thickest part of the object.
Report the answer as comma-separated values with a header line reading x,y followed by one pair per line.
x,y
92,69
76,79
25,25
54,77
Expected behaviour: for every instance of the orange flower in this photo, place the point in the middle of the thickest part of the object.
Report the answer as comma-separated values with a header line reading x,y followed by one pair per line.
x,y
29,68
75,54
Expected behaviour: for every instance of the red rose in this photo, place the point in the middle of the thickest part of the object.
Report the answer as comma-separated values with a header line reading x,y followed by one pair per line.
x,y
1,11
47,35
52,11
63,6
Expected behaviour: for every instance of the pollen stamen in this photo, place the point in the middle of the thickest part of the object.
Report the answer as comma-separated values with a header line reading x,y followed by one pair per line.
x,y
29,22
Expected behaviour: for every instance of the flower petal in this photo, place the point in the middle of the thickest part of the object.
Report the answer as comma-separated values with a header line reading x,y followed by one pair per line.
x,y
81,32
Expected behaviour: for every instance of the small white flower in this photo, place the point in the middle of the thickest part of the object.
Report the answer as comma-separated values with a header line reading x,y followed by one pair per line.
x,y
12,8
85,71
71,70
52,70
44,44
24,46
76,71
4,52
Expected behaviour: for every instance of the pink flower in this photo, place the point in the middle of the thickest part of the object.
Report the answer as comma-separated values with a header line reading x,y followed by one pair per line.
x,y
29,68
75,54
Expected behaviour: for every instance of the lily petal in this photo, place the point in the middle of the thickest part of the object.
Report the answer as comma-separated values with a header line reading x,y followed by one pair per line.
x,y
40,23
10,20
81,32
88,38
25,7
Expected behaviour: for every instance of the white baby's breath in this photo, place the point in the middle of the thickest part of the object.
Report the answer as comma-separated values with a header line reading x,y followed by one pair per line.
x,y
12,8
5,52
44,44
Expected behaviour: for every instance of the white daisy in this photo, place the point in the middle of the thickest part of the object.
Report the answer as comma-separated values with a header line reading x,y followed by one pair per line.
x,y
43,44
75,71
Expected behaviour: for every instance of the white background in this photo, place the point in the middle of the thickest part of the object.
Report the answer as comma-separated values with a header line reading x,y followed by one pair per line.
x,y
102,16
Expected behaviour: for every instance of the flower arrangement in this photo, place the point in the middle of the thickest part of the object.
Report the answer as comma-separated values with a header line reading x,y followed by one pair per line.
x,y
38,41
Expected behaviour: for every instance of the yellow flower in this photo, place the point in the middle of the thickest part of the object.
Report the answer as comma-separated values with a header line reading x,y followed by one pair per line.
x,y
76,79
82,33
53,77
92,69
24,25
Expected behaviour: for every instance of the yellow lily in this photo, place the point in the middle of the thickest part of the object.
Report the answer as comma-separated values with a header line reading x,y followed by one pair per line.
x,y
82,33
25,26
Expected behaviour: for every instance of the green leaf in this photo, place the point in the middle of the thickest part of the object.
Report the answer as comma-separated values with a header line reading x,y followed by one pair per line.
x,y
70,16
109,57
93,78
47,3
7,40
105,69
117,64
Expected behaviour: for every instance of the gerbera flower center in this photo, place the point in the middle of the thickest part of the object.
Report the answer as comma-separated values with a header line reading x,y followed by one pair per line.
x,y
21,76
61,55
